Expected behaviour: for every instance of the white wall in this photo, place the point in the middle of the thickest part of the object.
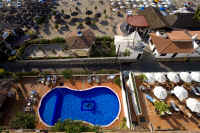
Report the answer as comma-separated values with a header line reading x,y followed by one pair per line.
x,y
125,104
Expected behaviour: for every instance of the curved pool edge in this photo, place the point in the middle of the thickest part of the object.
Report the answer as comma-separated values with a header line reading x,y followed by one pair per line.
x,y
117,117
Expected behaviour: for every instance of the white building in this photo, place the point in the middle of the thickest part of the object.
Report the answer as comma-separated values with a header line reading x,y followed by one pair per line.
x,y
131,43
175,45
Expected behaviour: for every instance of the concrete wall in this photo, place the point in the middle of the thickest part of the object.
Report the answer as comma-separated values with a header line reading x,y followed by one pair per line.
x,y
125,104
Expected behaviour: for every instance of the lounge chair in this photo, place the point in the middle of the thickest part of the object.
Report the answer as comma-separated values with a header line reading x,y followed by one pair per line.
x,y
97,79
194,91
142,88
152,100
198,89
197,115
174,107
89,79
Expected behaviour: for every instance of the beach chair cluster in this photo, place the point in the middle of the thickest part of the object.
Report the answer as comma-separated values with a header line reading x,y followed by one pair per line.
x,y
48,80
185,86
31,100
93,78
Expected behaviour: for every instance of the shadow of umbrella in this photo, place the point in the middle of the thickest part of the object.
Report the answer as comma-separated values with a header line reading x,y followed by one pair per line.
x,y
88,12
67,16
74,13
97,15
88,20
104,22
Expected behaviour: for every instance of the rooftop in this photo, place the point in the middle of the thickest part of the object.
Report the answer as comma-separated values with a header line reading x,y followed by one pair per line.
x,y
183,35
80,42
137,21
168,46
183,21
153,17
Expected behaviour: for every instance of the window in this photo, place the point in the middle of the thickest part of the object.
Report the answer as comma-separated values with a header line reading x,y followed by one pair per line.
x,y
163,54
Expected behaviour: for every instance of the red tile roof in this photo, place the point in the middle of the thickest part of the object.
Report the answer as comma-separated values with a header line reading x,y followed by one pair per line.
x,y
137,21
183,35
165,46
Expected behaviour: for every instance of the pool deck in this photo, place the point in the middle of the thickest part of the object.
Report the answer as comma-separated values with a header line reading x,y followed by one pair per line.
x,y
80,83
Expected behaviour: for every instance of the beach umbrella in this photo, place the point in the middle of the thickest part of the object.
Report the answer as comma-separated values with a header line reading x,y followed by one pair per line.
x,y
180,92
160,92
160,77
193,105
88,12
173,77
162,8
185,76
141,8
195,76
74,13
150,78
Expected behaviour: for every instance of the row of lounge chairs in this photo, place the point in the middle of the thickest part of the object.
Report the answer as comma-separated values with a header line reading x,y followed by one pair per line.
x,y
32,99
48,79
95,78
174,107
172,104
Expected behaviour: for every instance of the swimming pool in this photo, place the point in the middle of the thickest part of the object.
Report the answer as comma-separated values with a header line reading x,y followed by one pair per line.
x,y
98,106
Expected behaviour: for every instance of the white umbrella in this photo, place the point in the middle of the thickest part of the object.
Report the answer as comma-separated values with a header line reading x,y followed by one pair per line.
x,y
160,77
193,105
180,92
150,77
195,76
160,92
173,77
185,76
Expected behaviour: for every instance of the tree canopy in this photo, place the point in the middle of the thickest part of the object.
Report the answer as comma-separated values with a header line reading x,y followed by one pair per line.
x,y
70,126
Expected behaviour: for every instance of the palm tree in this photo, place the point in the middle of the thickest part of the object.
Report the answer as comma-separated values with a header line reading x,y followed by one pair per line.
x,y
197,14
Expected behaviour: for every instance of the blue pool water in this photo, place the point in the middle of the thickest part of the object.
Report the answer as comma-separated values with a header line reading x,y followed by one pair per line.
x,y
98,106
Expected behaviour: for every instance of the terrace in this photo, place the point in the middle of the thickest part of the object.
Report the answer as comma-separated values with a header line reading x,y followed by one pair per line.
x,y
181,119
26,86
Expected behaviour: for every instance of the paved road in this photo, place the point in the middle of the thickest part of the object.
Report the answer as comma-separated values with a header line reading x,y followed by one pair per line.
x,y
142,66
146,65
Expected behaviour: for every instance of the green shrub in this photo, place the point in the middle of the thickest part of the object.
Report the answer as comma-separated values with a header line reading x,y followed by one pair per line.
x,y
142,77
117,81
127,52
23,120
56,26
39,41
12,58
103,71
161,107
103,47
2,71
70,126
54,12
67,74
32,73
57,40
40,20
197,14
62,11
123,123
